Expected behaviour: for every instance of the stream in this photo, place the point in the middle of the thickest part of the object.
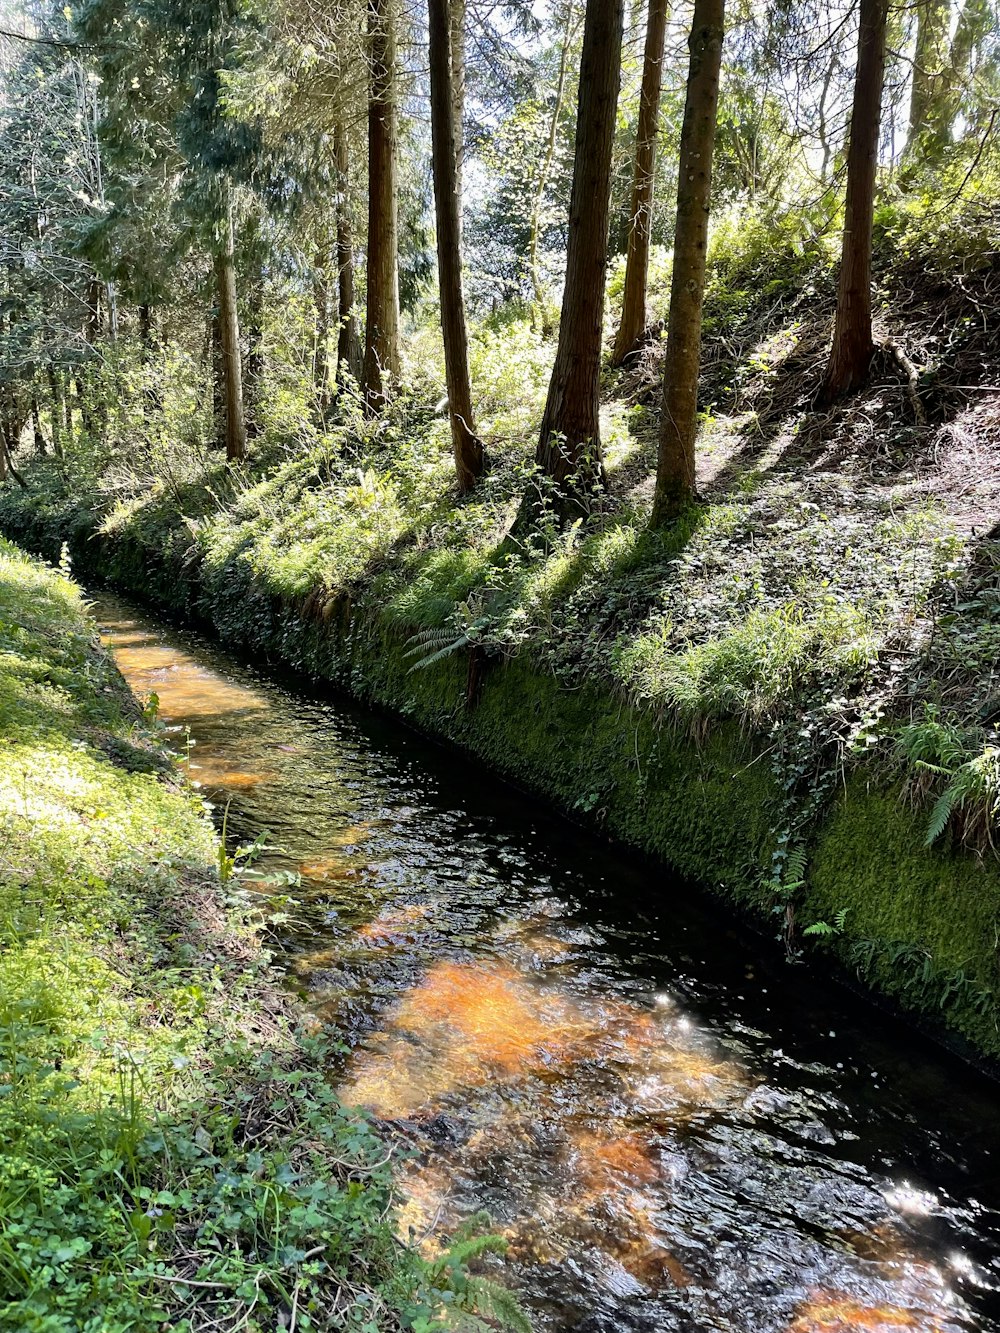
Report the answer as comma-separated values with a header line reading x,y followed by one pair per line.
x,y
674,1128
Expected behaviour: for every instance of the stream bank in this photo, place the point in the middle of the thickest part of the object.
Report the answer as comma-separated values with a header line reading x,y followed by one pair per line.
x,y
916,923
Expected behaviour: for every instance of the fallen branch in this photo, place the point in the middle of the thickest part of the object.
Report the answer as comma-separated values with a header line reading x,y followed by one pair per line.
x,y
912,380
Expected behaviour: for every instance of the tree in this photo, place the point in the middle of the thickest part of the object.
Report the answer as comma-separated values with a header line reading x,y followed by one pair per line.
x,y
926,130
348,347
229,331
675,465
633,318
850,357
569,442
381,364
468,448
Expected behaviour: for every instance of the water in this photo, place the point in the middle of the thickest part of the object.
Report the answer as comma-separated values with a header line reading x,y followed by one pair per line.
x,y
674,1129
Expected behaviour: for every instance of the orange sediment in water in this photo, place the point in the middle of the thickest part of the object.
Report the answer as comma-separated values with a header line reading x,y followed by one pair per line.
x,y
831,1313
473,1022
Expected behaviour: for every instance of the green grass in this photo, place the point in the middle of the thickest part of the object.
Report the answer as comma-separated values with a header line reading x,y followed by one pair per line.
x,y
170,1150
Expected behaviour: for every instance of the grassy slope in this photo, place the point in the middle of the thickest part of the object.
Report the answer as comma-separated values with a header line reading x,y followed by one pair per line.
x,y
162,1117
778,690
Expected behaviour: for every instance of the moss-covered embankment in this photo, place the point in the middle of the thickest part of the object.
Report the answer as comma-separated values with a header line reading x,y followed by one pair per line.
x,y
171,1154
711,798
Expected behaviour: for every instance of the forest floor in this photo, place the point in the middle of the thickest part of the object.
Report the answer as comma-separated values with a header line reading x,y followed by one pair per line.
x,y
171,1154
834,596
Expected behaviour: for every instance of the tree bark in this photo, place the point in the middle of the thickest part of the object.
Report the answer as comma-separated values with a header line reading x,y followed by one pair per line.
x,y
569,442
633,320
56,409
321,353
468,449
38,435
381,364
850,357
229,338
348,346
218,376
675,464
254,369
456,28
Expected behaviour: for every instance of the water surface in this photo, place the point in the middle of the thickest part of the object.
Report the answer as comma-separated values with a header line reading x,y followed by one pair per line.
x,y
674,1129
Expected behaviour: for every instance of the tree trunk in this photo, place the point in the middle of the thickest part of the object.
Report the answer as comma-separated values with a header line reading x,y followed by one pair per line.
x,y
538,292
254,369
381,365
348,346
56,409
633,320
229,338
569,442
218,377
850,358
92,409
456,30
321,353
929,130
675,464
38,434
468,449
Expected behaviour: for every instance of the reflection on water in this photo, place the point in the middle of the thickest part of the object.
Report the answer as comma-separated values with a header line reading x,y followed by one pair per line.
x,y
672,1133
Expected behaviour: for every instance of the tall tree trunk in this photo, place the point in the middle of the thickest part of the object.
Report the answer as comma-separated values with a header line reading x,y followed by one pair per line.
x,y
56,408
850,358
468,449
92,410
229,337
147,350
539,294
381,365
321,353
675,464
569,442
218,376
38,434
348,345
456,31
928,131
633,320
254,369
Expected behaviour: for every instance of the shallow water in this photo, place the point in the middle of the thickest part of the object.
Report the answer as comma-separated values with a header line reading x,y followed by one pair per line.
x,y
674,1129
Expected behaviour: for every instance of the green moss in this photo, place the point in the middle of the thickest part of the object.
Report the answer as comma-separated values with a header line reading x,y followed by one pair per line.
x,y
922,923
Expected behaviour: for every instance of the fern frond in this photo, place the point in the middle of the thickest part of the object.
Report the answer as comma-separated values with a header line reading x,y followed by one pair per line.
x,y
490,1301
941,813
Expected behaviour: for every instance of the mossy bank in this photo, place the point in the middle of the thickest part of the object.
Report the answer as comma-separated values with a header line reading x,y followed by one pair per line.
x,y
763,759
171,1154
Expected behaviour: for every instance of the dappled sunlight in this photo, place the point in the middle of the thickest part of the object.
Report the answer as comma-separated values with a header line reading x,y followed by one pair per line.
x,y
187,691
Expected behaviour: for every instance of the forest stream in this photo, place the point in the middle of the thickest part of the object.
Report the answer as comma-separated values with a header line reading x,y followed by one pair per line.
x,y
674,1128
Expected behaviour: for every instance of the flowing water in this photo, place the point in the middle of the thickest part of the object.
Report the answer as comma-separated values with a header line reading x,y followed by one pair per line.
x,y
674,1129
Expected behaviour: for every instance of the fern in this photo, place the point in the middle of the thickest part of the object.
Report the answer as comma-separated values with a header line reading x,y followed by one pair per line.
x,y
478,1304
940,815
431,645
795,870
